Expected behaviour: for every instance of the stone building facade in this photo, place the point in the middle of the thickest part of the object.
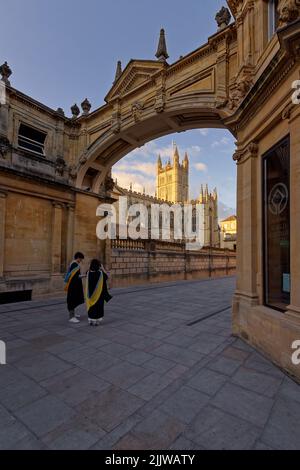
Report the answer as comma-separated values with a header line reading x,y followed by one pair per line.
x,y
245,79
228,233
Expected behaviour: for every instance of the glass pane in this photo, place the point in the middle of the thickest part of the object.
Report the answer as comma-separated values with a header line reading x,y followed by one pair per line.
x,y
277,226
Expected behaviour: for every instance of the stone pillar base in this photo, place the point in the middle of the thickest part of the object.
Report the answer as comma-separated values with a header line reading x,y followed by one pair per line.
x,y
268,330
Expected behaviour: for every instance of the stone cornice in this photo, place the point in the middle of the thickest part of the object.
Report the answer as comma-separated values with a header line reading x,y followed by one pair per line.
x,y
34,104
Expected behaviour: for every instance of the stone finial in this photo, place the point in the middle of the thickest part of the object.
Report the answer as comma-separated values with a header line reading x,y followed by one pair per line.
x,y
6,72
118,71
223,18
86,107
162,53
60,111
75,111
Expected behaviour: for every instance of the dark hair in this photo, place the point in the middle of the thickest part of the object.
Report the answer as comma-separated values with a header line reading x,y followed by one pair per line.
x,y
79,255
95,265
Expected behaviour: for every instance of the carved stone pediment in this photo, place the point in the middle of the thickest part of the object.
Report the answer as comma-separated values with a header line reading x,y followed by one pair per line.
x,y
136,74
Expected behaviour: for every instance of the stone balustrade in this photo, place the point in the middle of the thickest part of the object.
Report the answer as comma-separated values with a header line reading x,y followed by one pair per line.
x,y
135,262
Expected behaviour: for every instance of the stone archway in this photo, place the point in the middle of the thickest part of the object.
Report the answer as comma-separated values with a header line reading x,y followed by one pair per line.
x,y
150,99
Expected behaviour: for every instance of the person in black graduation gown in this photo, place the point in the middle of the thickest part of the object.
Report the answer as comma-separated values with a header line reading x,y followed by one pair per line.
x,y
96,292
74,287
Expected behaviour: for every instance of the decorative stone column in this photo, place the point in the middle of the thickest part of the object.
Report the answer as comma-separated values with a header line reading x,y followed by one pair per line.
x,y
2,231
56,238
247,229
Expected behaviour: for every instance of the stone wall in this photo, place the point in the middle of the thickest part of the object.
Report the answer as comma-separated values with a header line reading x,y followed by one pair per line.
x,y
139,262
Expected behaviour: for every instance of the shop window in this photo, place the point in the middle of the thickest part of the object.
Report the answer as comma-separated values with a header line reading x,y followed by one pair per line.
x,y
276,202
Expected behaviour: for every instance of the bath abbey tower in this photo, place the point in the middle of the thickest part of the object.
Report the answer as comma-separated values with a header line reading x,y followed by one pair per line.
x,y
173,179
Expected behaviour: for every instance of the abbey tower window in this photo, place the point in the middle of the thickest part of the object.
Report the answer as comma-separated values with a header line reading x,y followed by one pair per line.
x,y
32,139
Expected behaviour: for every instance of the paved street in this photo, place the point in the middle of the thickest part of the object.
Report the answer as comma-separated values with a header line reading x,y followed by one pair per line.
x,y
156,375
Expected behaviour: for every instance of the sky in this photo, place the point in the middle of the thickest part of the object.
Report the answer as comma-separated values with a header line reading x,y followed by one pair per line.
x,y
62,51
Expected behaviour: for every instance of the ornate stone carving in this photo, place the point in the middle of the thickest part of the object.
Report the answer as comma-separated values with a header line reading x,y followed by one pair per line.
x,y
160,102
5,72
223,18
116,122
86,107
288,11
136,110
238,94
73,172
237,156
109,184
5,146
60,165
250,151
75,111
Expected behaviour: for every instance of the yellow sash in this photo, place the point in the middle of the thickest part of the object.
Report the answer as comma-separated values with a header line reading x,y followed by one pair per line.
x,y
70,276
93,299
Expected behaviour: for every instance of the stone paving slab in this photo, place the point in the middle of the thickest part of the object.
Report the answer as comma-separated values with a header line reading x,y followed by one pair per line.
x,y
145,379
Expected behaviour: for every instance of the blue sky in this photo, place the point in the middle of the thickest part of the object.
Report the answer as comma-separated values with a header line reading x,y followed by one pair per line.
x,y
62,51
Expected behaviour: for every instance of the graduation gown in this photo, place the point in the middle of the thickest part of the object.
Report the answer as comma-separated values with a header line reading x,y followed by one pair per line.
x,y
96,294
74,287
